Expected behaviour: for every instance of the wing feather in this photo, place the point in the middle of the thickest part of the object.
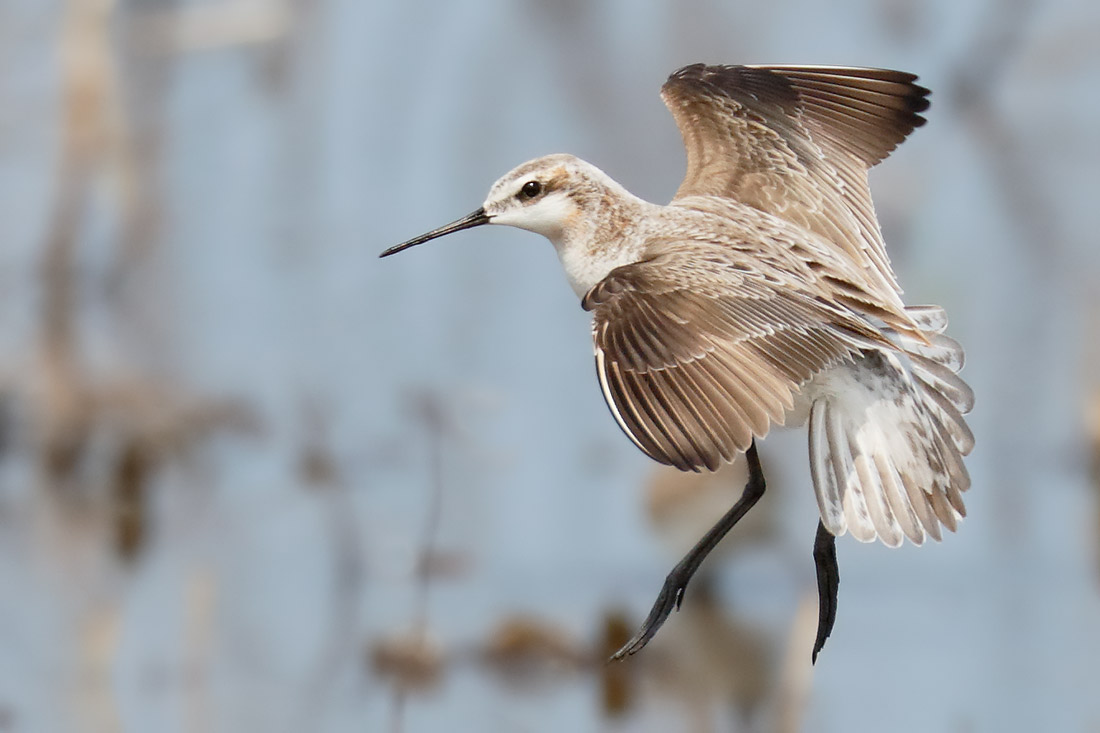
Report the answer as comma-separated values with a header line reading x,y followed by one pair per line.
x,y
796,142
686,374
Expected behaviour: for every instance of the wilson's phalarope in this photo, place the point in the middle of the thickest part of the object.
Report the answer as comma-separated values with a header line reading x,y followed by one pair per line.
x,y
763,294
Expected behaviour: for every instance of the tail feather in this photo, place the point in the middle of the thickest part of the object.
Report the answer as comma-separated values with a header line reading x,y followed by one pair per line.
x,y
822,472
887,439
949,419
856,514
941,349
932,321
929,318
907,519
919,500
943,510
886,526
941,379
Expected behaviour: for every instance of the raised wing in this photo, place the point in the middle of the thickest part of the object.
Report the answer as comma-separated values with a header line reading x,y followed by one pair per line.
x,y
796,142
697,355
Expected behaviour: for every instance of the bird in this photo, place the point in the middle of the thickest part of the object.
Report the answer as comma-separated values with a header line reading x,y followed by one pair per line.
x,y
762,295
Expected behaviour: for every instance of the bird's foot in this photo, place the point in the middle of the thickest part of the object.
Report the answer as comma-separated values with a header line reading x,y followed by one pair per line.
x,y
670,597
828,583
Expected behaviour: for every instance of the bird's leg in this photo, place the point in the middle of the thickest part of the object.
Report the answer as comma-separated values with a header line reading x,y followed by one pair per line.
x,y
672,592
828,582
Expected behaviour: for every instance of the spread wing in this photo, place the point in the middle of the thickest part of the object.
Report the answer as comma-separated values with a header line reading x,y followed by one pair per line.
x,y
796,142
697,355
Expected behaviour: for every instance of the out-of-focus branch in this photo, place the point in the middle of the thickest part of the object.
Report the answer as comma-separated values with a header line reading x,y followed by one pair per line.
x,y
973,89
1092,426
319,471
98,443
210,26
412,658
796,673
88,96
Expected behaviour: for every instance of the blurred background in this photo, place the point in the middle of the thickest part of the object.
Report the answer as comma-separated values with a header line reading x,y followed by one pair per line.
x,y
254,478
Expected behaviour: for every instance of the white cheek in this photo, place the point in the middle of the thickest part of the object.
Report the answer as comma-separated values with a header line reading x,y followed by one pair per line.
x,y
546,217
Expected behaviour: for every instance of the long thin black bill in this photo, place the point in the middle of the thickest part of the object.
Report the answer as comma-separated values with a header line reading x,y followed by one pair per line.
x,y
475,219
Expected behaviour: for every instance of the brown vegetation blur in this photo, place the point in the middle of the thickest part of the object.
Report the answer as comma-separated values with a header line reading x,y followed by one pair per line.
x,y
105,435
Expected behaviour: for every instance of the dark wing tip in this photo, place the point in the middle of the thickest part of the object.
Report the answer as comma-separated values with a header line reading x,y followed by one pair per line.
x,y
805,86
731,80
868,111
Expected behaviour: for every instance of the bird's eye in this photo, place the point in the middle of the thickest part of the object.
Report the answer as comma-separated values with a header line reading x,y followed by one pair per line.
x,y
531,189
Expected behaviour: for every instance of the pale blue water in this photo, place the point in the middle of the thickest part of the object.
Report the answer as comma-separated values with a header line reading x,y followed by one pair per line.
x,y
396,117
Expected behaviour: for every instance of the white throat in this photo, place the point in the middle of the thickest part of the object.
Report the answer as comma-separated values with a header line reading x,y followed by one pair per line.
x,y
587,263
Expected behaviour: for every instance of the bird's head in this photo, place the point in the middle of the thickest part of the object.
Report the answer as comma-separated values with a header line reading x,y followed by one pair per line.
x,y
550,196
